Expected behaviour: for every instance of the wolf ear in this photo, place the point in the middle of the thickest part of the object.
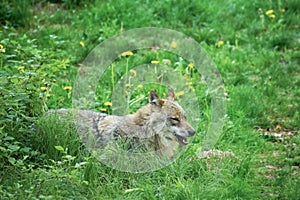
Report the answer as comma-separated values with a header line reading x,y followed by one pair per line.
x,y
154,98
171,95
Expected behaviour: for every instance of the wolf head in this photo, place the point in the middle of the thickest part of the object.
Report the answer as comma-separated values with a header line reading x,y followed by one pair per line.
x,y
168,119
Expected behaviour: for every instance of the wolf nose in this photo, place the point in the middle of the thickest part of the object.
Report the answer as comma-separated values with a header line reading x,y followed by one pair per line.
x,y
191,132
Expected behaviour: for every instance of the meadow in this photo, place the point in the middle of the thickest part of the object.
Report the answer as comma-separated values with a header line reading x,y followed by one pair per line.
x,y
255,46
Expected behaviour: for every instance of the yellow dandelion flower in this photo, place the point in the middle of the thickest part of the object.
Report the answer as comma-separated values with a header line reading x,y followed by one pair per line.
x,y
140,86
127,53
2,50
155,62
108,103
21,68
191,66
220,43
269,12
180,93
132,72
173,44
43,88
82,43
48,95
272,16
103,109
68,88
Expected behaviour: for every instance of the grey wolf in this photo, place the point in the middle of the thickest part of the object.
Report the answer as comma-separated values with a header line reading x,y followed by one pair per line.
x,y
156,126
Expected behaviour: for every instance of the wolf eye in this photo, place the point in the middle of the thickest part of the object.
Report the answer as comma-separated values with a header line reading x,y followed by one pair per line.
x,y
174,120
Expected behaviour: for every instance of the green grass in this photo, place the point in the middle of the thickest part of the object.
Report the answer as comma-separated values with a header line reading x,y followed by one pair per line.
x,y
259,62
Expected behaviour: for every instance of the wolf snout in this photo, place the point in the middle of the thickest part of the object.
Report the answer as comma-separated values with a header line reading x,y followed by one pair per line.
x,y
191,132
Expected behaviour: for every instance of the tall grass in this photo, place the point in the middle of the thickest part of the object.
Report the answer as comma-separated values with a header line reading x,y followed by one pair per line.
x,y
257,56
